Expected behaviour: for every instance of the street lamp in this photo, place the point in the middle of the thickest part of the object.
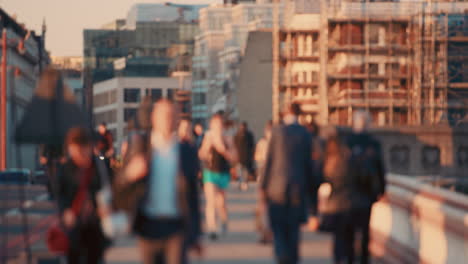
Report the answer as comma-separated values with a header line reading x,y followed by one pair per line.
x,y
3,99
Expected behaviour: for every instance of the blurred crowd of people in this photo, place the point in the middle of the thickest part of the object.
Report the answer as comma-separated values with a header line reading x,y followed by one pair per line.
x,y
166,164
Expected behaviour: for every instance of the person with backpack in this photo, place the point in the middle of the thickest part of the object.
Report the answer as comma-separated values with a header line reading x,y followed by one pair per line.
x,y
354,172
367,172
218,152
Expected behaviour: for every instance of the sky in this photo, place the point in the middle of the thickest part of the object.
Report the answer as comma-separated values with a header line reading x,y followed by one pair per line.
x,y
66,19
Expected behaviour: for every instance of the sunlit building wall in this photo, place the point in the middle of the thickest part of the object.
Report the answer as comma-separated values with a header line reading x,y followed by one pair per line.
x,y
26,56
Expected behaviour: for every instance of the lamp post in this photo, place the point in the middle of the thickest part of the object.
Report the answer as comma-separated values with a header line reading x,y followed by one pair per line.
x,y
3,101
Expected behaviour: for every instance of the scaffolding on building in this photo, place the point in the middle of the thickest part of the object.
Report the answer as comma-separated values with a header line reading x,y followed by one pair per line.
x,y
404,62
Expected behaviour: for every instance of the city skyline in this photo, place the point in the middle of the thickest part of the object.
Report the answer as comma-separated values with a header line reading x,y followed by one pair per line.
x,y
65,21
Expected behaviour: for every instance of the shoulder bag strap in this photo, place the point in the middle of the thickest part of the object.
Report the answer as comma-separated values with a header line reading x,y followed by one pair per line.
x,y
80,196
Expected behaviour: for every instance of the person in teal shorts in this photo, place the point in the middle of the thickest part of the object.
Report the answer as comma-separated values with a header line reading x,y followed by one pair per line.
x,y
218,152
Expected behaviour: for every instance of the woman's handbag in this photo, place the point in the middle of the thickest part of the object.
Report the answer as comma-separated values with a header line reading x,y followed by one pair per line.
x,y
327,221
117,222
58,236
57,239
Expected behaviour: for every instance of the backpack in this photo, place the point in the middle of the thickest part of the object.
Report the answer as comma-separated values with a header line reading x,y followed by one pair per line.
x,y
366,169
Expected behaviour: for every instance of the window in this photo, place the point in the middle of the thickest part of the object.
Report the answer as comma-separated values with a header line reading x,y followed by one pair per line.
x,y
373,68
171,94
113,97
131,95
199,98
431,157
393,68
203,74
107,117
156,94
374,34
462,156
373,85
129,113
315,76
400,157
296,78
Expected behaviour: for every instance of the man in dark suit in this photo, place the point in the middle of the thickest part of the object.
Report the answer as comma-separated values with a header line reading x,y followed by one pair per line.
x,y
168,215
287,183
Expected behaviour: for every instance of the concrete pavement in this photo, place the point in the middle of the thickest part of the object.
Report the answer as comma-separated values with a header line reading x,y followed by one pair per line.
x,y
38,211
240,245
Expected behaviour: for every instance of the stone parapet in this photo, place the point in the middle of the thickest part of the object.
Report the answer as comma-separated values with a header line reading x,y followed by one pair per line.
x,y
418,223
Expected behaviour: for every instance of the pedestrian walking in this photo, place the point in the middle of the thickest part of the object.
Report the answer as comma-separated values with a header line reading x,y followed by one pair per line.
x,y
167,219
336,211
261,150
368,174
104,142
287,183
245,145
184,132
354,170
218,152
78,184
199,134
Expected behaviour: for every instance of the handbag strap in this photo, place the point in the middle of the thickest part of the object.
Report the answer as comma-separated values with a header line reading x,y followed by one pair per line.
x,y
80,196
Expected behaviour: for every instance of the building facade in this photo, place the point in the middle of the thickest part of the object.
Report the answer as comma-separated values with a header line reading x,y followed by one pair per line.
x,y
25,57
116,100
219,50
149,40
404,62
71,68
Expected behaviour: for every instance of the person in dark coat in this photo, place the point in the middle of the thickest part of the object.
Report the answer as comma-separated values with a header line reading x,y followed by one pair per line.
x,y
168,219
245,144
287,184
87,241
368,175
104,142
198,134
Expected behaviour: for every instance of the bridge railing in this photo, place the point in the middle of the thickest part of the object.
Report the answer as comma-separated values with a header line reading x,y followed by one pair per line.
x,y
419,223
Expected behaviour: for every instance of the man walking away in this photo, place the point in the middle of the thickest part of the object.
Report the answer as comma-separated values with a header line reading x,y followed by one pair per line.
x,y
245,145
368,174
168,217
286,184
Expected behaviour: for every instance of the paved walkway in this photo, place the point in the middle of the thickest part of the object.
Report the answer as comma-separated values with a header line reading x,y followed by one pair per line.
x,y
239,246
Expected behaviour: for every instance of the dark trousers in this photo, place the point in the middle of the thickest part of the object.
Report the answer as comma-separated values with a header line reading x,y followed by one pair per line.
x,y
170,250
348,225
87,245
285,223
